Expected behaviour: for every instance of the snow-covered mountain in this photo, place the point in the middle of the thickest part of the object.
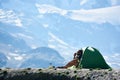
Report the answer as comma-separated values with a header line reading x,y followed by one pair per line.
x,y
42,57
35,58
65,26
17,54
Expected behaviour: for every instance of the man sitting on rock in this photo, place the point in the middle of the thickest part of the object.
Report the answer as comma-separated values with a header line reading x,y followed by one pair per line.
x,y
75,61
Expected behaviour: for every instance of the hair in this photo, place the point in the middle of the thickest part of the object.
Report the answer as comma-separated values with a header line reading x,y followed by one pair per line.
x,y
79,53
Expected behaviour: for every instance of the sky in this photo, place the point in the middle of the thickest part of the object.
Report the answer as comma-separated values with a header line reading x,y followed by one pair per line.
x,y
66,26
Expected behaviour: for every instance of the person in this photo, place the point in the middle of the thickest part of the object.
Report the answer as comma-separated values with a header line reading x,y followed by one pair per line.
x,y
75,61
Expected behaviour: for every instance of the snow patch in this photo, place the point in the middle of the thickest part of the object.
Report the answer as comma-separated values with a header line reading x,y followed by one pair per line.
x,y
45,25
83,2
43,9
57,39
101,15
10,17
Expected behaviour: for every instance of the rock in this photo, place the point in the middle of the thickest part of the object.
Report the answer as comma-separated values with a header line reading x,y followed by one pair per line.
x,y
58,74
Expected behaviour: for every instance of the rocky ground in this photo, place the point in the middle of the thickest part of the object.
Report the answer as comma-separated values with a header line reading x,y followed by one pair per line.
x,y
58,74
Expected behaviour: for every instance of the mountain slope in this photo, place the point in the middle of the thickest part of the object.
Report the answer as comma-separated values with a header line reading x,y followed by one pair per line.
x,y
42,57
16,43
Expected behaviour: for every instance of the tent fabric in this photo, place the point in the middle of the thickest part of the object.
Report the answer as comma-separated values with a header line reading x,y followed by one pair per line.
x,y
92,58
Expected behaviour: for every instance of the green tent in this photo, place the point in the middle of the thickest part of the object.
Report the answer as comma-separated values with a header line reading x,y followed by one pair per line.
x,y
92,58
